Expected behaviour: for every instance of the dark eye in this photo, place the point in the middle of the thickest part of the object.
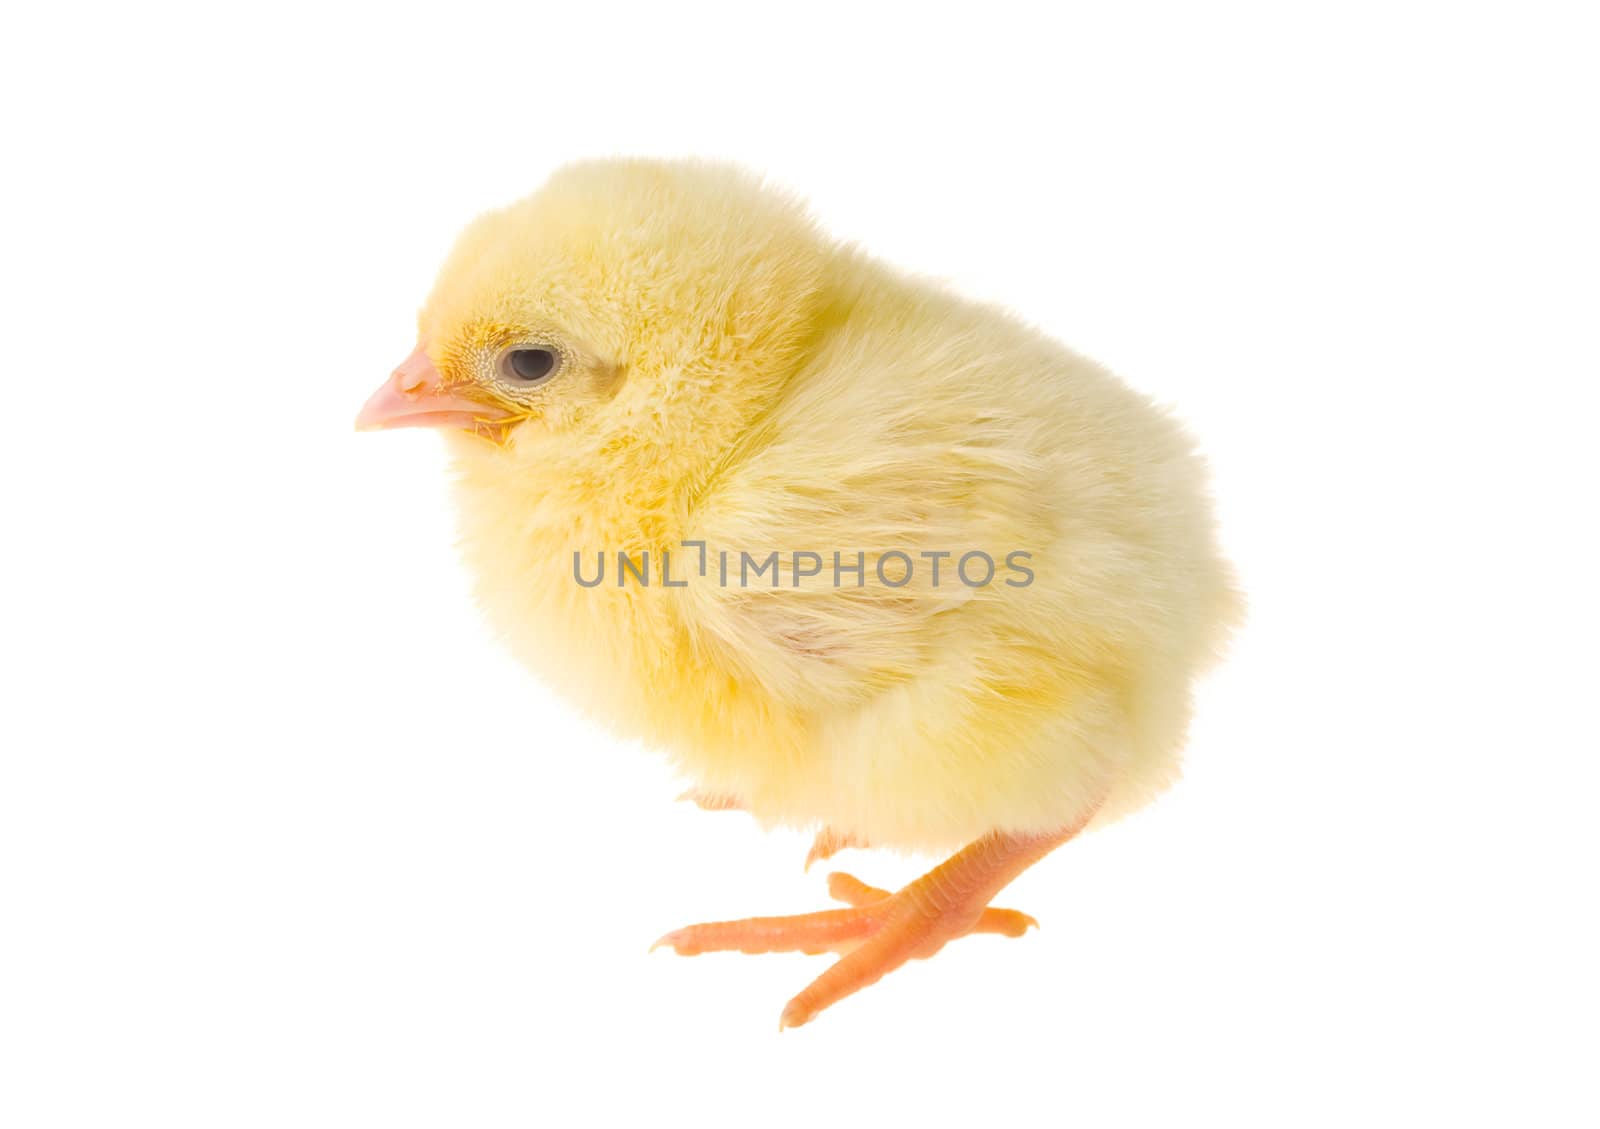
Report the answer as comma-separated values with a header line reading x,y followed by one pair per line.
x,y
530,366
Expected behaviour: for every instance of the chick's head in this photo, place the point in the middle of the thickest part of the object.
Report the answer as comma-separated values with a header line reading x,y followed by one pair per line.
x,y
657,303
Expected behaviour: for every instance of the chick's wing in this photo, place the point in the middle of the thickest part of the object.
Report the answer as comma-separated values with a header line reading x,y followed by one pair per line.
x,y
869,518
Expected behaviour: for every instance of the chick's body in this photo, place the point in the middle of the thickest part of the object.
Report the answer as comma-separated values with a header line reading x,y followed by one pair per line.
x,y
755,387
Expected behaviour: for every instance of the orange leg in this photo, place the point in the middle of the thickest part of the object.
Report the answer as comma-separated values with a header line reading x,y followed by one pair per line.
x,y
711,801
881,931
829,843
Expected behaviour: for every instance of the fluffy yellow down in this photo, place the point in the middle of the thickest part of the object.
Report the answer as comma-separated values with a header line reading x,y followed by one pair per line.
x,y
735,377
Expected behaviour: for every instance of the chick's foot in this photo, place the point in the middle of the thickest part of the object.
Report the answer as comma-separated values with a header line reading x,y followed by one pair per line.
x,y
881,931
828,931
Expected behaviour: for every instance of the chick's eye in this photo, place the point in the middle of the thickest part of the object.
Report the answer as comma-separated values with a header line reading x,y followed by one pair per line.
x,y
529,366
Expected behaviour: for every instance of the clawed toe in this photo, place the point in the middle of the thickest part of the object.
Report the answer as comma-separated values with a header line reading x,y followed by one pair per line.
x,y
834,930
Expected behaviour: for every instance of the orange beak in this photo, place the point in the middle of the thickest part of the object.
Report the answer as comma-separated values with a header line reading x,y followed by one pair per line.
x,y
415,396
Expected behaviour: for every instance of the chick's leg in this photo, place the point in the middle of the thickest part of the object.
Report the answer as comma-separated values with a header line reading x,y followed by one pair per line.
x,y
829,843
881,931
711,801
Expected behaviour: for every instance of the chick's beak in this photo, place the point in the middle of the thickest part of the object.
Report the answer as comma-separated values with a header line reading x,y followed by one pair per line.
x,y
415,396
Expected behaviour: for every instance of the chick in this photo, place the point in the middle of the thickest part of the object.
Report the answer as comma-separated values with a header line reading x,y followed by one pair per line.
x,y
995,575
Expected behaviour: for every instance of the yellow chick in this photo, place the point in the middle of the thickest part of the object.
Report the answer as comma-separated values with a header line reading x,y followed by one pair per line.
x,y
860,556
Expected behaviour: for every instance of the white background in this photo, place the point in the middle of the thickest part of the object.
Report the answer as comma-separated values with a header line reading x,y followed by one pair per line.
x,y
285,839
